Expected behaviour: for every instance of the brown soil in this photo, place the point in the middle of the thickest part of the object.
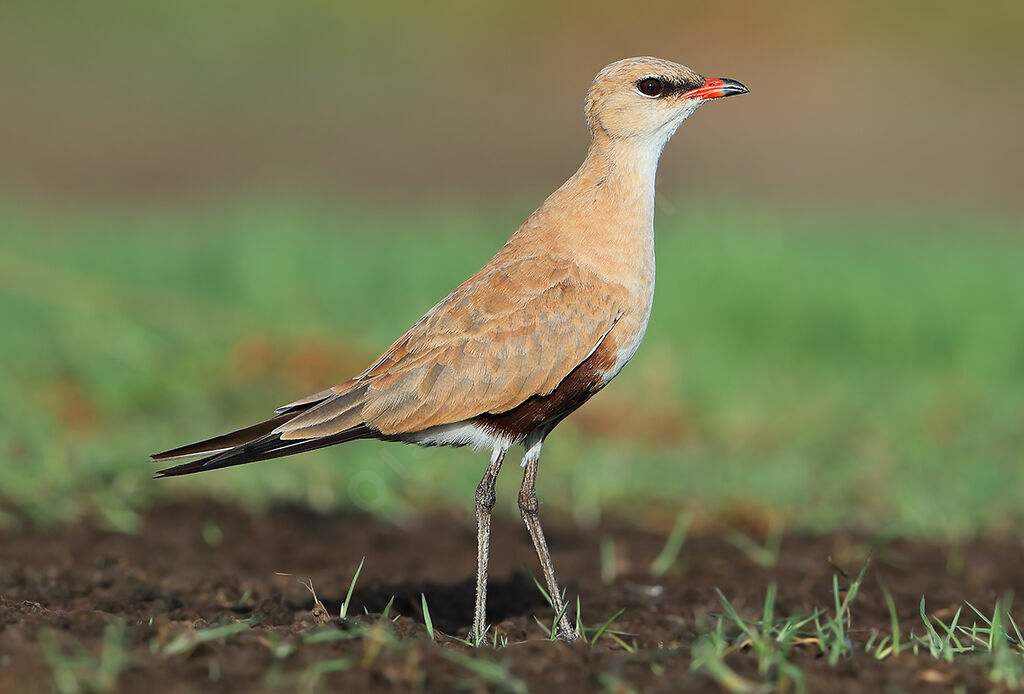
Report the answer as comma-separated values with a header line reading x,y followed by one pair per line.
x,y
194,565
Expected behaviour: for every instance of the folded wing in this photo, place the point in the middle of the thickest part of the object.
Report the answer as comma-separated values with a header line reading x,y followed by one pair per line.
x,y
513,330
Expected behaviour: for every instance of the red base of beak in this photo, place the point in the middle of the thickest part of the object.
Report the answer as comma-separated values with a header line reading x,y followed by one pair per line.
x,y
716,88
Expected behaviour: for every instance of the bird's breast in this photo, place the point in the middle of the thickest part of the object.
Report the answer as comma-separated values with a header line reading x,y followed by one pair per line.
x,y
631,271
624,340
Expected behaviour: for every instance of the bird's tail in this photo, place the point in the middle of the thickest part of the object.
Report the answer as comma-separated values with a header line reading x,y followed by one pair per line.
x,y
265,447
260,441
225,442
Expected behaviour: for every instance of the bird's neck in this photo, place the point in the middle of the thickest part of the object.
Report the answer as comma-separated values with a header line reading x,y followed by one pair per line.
x,y
625,167
614,188
603,216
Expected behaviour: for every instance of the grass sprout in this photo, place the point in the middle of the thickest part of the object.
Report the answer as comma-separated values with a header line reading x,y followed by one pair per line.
x,y
426,617
832,630
186,642
495,674
766,555
81,671
673,545
891,644
604,627
609,565
351,587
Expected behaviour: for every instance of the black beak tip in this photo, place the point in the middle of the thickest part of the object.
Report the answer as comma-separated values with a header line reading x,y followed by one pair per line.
x,y
732,87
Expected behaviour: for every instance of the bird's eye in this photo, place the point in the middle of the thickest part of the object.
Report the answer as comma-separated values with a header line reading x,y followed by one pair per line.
x,y
650,86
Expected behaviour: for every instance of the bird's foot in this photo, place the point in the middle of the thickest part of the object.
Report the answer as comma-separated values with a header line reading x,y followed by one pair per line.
x,y
567,634
478,636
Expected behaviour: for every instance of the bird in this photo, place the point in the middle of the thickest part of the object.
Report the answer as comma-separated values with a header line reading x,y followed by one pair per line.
x,y
545,324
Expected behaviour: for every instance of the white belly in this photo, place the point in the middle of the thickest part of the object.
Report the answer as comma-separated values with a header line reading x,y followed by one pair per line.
x,y
463,433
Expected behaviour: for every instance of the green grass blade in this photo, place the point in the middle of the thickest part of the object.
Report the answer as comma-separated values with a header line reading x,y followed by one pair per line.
x,y
604,627
351,587
426,616
673,545
184,643
542,590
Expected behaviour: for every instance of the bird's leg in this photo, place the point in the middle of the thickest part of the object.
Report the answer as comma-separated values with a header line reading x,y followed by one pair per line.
x,y
528,506
484,504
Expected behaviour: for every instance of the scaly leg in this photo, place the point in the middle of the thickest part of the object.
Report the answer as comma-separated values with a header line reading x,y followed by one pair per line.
x,y
484,504
528,506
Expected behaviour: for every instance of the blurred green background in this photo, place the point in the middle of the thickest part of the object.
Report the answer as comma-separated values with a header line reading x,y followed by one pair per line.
x,y
210,209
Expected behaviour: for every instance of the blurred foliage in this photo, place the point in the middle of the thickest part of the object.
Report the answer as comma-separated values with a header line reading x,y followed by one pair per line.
x,y
846,363
849,100
863,369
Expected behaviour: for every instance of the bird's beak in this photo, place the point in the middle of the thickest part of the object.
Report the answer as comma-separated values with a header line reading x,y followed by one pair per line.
x,y
715,88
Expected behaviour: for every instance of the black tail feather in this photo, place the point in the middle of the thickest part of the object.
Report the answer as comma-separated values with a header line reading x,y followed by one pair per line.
x,y
225,442
265,448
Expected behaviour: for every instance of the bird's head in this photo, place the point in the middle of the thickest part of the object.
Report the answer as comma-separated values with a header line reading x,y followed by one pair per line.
x,y
647,98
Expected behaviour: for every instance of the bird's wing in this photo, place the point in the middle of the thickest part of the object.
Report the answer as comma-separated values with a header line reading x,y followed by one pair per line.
x,y
513,330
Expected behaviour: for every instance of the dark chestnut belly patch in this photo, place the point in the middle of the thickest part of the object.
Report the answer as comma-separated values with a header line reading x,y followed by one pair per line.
x,y
574,390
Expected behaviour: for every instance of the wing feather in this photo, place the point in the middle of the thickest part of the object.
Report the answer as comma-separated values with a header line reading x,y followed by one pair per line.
x,y
512,331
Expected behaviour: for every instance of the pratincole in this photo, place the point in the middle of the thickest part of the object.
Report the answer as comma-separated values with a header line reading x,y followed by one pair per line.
x,y
546,323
